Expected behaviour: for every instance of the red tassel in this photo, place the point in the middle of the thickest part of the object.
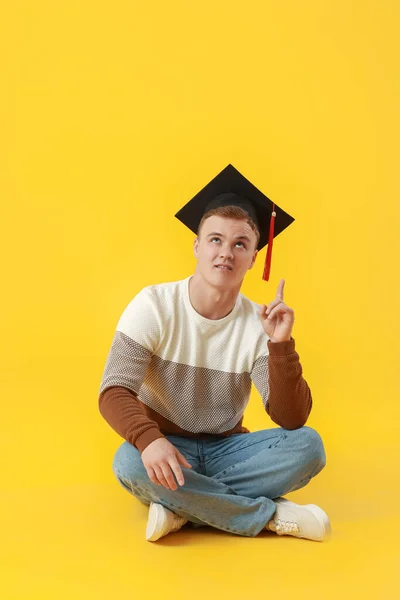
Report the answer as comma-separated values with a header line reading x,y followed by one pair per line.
x,y
267,266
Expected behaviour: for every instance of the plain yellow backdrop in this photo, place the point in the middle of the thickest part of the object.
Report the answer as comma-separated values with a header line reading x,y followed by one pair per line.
x,y
112,116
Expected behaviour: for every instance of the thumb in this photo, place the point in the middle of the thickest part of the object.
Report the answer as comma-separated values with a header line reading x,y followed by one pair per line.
x,y
182,460
261,312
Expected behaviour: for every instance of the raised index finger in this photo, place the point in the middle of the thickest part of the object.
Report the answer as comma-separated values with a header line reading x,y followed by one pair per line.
x,y
279,293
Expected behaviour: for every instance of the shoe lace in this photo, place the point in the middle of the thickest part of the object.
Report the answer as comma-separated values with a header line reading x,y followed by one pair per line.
x,y
178,521
284,527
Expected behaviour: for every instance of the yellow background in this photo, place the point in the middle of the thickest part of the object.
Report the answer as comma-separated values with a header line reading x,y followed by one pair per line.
x,y
113,115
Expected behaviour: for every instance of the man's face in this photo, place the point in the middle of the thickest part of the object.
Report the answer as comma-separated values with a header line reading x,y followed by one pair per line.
x,y
225,251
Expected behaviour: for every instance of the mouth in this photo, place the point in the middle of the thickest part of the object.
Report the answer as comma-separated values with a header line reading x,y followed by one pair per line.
x,y
222,267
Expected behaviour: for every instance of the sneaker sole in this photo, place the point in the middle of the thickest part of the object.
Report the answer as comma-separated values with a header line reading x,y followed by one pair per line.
x,y
155,522
319,513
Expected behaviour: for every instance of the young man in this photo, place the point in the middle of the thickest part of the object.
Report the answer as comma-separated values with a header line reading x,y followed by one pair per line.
x,y
178,378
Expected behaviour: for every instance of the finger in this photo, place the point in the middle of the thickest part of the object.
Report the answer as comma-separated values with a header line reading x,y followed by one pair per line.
x,y
272,305
280,309
169,476
279,294
152,475
182,460
177,471
161,477
263,314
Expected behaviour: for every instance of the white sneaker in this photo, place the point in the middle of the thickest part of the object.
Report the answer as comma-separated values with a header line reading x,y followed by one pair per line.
x,y
162,521
303,521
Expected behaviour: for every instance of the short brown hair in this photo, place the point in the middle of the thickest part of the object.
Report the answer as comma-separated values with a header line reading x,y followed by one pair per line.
x,y
231,212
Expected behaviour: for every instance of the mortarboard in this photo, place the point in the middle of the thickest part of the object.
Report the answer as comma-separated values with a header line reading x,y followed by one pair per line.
x,y
230,187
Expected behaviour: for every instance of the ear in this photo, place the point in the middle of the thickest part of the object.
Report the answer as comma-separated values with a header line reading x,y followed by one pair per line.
x,y
196,247
253,260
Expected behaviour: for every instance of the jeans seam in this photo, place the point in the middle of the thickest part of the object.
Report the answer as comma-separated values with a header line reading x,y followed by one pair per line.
x,y
241,462
280,437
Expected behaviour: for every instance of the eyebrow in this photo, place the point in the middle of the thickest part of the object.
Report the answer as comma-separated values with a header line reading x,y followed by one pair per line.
x,y
238,237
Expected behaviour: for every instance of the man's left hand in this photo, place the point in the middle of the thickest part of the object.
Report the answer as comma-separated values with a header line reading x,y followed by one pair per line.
x,y
277,319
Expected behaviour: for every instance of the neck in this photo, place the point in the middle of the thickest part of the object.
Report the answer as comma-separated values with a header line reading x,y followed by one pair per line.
x,y
211,302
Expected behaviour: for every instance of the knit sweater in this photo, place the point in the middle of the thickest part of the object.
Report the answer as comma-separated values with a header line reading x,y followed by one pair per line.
x,y
172,371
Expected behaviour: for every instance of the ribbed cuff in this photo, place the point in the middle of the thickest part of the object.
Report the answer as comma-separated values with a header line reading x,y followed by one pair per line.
x,y
281,348
147,437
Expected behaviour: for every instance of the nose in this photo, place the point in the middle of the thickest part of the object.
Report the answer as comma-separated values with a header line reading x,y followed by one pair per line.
x,y
226,252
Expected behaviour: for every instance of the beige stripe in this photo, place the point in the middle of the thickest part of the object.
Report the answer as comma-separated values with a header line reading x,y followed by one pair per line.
x,y
159,320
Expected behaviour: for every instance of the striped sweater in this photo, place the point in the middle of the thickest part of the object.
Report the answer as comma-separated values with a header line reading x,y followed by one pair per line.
x,y
172,371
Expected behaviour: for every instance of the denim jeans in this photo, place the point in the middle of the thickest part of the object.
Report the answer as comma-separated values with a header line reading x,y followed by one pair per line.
x,y
233,481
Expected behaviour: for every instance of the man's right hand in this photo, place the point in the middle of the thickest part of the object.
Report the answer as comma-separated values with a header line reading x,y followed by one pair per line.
x,y
160,459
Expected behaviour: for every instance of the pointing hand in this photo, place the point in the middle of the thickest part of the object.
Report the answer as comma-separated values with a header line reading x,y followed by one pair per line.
x,y
277,319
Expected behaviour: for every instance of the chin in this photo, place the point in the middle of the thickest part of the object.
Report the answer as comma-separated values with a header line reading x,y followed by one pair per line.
x,y
224,280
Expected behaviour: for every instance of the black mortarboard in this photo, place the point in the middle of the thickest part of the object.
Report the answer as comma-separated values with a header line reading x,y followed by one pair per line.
x,y
231,188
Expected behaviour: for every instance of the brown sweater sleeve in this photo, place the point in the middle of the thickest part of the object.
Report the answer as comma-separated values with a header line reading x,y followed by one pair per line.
x,y
289,402
125,414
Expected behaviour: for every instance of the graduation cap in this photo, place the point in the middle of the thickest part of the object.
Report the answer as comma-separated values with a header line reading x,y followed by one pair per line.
x,y
231,188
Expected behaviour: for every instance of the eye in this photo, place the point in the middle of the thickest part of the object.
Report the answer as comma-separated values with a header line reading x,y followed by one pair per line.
x,y
241,243
215,238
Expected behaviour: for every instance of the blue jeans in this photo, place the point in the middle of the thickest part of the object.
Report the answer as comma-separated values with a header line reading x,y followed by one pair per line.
x,y
233,481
